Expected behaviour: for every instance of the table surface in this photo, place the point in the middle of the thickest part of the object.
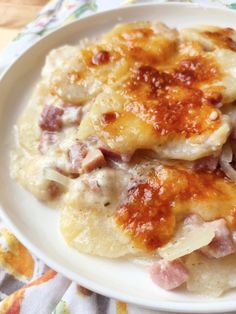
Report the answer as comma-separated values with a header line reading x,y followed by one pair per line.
x,y
14,15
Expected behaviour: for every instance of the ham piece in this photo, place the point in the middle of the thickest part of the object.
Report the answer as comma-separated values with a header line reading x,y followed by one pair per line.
x,y
109,153
209,163
51,118
76,154
222,244
83,159
46,140
93,160
169,274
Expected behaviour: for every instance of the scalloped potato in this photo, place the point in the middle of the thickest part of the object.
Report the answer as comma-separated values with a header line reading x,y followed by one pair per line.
x,y
130,137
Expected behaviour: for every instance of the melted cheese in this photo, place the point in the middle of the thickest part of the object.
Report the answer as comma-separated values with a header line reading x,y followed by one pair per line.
x,y
163,99
220,44
159,197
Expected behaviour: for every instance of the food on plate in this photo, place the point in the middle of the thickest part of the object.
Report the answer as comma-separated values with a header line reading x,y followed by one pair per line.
x,y
132,137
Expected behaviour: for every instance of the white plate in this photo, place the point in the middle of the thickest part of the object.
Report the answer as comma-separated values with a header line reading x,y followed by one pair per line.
x,y
35,224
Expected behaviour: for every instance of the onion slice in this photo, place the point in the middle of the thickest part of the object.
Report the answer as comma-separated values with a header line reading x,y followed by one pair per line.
x,y
189,238
228,170
53,175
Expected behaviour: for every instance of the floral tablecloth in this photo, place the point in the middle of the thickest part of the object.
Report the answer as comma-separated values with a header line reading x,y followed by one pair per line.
x,y
27,285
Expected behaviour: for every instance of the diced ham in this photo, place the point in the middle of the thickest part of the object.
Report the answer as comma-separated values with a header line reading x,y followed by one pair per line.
x,y
222,244
209,163
46,140
51,118
76,154
169,274
109,153
93,160
53,190
72,115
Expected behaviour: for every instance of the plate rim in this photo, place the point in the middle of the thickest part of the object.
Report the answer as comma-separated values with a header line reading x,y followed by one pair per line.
x,y
171,306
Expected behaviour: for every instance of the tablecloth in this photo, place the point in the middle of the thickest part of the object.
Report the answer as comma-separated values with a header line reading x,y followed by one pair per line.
x,y
27,285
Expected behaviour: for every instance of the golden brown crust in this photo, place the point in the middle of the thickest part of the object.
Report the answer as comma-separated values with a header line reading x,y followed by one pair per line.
x,y
166,195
